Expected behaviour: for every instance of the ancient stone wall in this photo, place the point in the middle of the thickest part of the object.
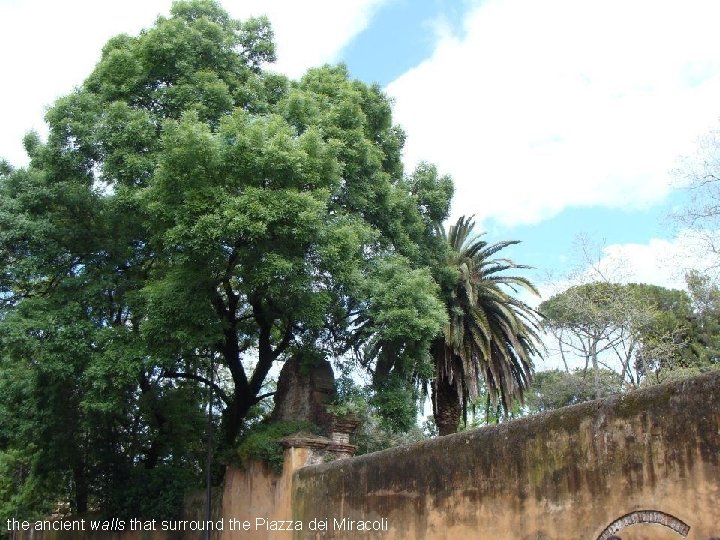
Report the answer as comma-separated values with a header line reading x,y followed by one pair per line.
x,y
645,465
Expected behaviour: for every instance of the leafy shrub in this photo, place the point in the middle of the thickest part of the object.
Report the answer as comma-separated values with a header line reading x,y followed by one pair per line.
x,y
260,442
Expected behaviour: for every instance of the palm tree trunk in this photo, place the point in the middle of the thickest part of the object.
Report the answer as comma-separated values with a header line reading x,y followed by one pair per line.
x,y
446,406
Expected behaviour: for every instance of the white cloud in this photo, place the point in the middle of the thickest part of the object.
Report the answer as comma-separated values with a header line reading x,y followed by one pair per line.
x,y
312,33
663,262
544,105
50,46
659,262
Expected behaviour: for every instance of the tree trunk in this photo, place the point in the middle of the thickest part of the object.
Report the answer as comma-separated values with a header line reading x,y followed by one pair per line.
x,y
596,372
447,408
234,413
81,488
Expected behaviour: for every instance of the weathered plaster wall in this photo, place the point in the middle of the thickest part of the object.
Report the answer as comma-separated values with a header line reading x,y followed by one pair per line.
x,y
255,492
566,474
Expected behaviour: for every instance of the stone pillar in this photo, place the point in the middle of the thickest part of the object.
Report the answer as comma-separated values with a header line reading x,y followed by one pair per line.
x,y
342,428
321,449
257,492
311,448
303,392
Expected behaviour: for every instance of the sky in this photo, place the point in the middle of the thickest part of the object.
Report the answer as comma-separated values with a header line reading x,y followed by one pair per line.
x,y
558,120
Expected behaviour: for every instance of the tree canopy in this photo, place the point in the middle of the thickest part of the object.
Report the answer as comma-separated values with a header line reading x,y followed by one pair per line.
x,y
192,211
636,329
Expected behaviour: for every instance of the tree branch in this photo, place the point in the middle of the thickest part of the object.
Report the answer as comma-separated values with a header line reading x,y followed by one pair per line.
x,y
259,398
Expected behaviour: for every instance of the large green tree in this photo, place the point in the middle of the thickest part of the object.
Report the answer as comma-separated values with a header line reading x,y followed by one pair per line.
x,y
490,336
191,210
637,329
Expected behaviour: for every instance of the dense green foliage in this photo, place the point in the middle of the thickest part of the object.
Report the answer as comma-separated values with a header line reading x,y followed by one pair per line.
x,y
376,430
704,335
550,389
190,209
625,335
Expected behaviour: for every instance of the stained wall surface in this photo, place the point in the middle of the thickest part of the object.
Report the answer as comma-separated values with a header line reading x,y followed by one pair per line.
x,y
258,496
645,465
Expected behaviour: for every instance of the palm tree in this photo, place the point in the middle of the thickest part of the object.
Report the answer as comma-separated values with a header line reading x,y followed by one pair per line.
x,y
490,335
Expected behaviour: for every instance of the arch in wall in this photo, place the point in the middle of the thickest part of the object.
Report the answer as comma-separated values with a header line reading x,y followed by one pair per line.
x,y
645,516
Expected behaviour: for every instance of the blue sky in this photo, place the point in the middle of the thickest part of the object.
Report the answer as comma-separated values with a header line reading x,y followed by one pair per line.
x,y
602,101
556,119
401,35
407,33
